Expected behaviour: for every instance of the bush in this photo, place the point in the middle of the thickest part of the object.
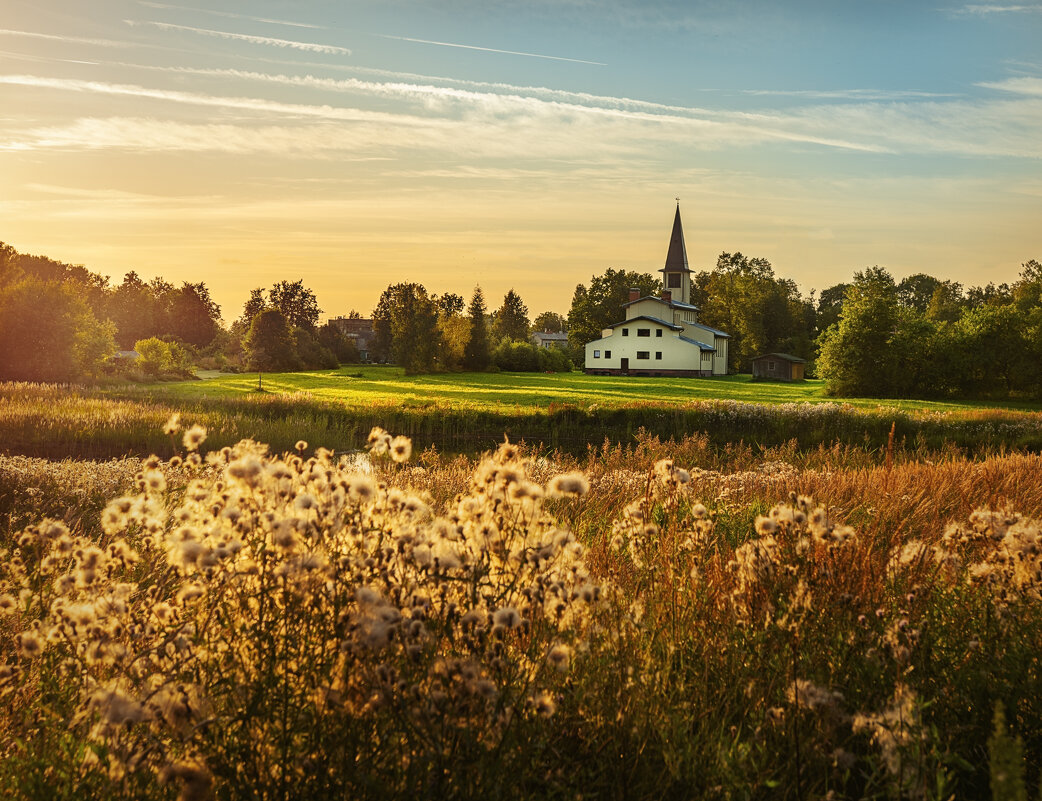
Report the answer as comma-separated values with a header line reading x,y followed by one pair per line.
x,y
516,357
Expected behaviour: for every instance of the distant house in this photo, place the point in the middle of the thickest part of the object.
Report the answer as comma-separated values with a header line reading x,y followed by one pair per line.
x,y
661,335
779,366
359,330
546,339
125,356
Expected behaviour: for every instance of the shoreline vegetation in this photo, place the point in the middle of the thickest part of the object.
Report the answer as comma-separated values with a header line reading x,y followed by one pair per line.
x,y
470,413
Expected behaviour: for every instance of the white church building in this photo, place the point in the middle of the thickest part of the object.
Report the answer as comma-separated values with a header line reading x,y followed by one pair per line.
x,y
661,336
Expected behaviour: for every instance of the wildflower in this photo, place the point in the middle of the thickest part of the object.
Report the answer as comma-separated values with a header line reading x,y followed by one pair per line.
x,y
361,488
568,485
507,617
544,705
246,469
154,481
7,604
30,643
194,437
401,449
301,446
173,424
560,656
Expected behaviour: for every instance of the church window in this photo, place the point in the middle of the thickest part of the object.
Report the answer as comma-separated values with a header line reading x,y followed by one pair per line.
x,y
644,332
673,280
643,354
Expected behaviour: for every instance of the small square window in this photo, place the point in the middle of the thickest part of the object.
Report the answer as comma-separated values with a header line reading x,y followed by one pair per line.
x,y
643,354
658,354
625,332
607,354
673,281
658,332
596,354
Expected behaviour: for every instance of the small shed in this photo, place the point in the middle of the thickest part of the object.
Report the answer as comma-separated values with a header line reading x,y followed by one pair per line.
x,y
779,367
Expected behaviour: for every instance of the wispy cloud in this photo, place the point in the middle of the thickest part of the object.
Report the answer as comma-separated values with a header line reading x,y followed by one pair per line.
x,y
489,49
245,37
1020,86
229,14
846,94
984,10
68,39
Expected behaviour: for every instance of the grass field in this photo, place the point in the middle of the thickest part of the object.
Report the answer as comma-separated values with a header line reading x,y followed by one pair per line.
x,y
379,385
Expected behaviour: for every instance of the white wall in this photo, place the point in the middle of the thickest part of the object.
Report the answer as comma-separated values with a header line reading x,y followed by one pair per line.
x,y
676,354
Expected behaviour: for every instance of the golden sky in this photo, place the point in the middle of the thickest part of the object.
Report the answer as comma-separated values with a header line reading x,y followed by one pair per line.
x,y
524,145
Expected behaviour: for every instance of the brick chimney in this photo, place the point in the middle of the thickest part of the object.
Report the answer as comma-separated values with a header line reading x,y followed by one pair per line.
x,y
667,295
634,293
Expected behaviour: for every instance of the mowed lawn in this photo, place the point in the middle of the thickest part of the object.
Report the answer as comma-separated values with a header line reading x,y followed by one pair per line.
x,y
371,385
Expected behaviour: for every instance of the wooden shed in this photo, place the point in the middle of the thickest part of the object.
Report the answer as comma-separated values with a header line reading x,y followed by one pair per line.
x,y
779,367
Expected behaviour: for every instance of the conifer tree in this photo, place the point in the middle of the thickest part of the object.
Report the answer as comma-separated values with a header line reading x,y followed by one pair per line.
x,y
476,356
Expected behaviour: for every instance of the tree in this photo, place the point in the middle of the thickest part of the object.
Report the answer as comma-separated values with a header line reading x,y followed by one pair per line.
x,y
855,354
595,308
761,312
476,354
341,346
550,321
132,307
269,344
296,302
916,291
830,307
194,317
254,305
405,322
511,319
49,333
450,303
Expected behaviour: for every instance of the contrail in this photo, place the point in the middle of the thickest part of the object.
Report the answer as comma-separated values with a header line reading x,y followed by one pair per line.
x,y
489,49
150,4
245,37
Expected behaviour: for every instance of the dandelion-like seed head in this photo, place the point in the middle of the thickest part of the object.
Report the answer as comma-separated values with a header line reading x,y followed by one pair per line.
x,y
173,424
194,437
401,449
568,485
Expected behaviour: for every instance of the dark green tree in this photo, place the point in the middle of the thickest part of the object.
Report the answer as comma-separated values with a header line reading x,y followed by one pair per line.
x,y
511,319
194,317
855,355
550,321
296,302
405,322
476,354
49,333
595,308
269,344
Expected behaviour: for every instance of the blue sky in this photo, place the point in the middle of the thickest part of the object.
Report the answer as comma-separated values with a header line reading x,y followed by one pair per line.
x,y
518,144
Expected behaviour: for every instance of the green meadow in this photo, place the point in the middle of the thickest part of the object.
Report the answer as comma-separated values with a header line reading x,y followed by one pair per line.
x,y
471,412
528,392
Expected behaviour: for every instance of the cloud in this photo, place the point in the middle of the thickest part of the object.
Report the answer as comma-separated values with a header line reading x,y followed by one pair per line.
x,y
245,37
68,39
1020,86
984,10
845,94
150,4
489,49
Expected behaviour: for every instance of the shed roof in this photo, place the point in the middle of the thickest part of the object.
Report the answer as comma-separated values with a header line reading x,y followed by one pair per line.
x,y
784,356
714,331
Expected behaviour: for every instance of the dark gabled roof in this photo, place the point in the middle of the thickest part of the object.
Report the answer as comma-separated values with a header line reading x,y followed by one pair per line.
x,y
676,257
552,336
787,357
714,331
701,345
651,319
674,304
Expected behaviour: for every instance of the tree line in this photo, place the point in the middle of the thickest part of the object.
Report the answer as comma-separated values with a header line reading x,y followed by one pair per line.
x,y
874,336
425,332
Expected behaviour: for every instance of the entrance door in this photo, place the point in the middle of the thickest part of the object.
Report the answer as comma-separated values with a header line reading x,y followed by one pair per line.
x,y
626,366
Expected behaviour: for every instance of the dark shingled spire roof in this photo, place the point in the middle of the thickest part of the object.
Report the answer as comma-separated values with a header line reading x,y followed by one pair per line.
x,y
676,258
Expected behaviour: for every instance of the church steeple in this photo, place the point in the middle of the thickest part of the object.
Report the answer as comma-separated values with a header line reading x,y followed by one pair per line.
x,y
676,275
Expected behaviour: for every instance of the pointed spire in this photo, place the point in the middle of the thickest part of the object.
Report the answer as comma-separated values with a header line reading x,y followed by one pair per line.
x,y
676,258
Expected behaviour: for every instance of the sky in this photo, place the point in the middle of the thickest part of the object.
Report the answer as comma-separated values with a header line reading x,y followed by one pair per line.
x,y
526,144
